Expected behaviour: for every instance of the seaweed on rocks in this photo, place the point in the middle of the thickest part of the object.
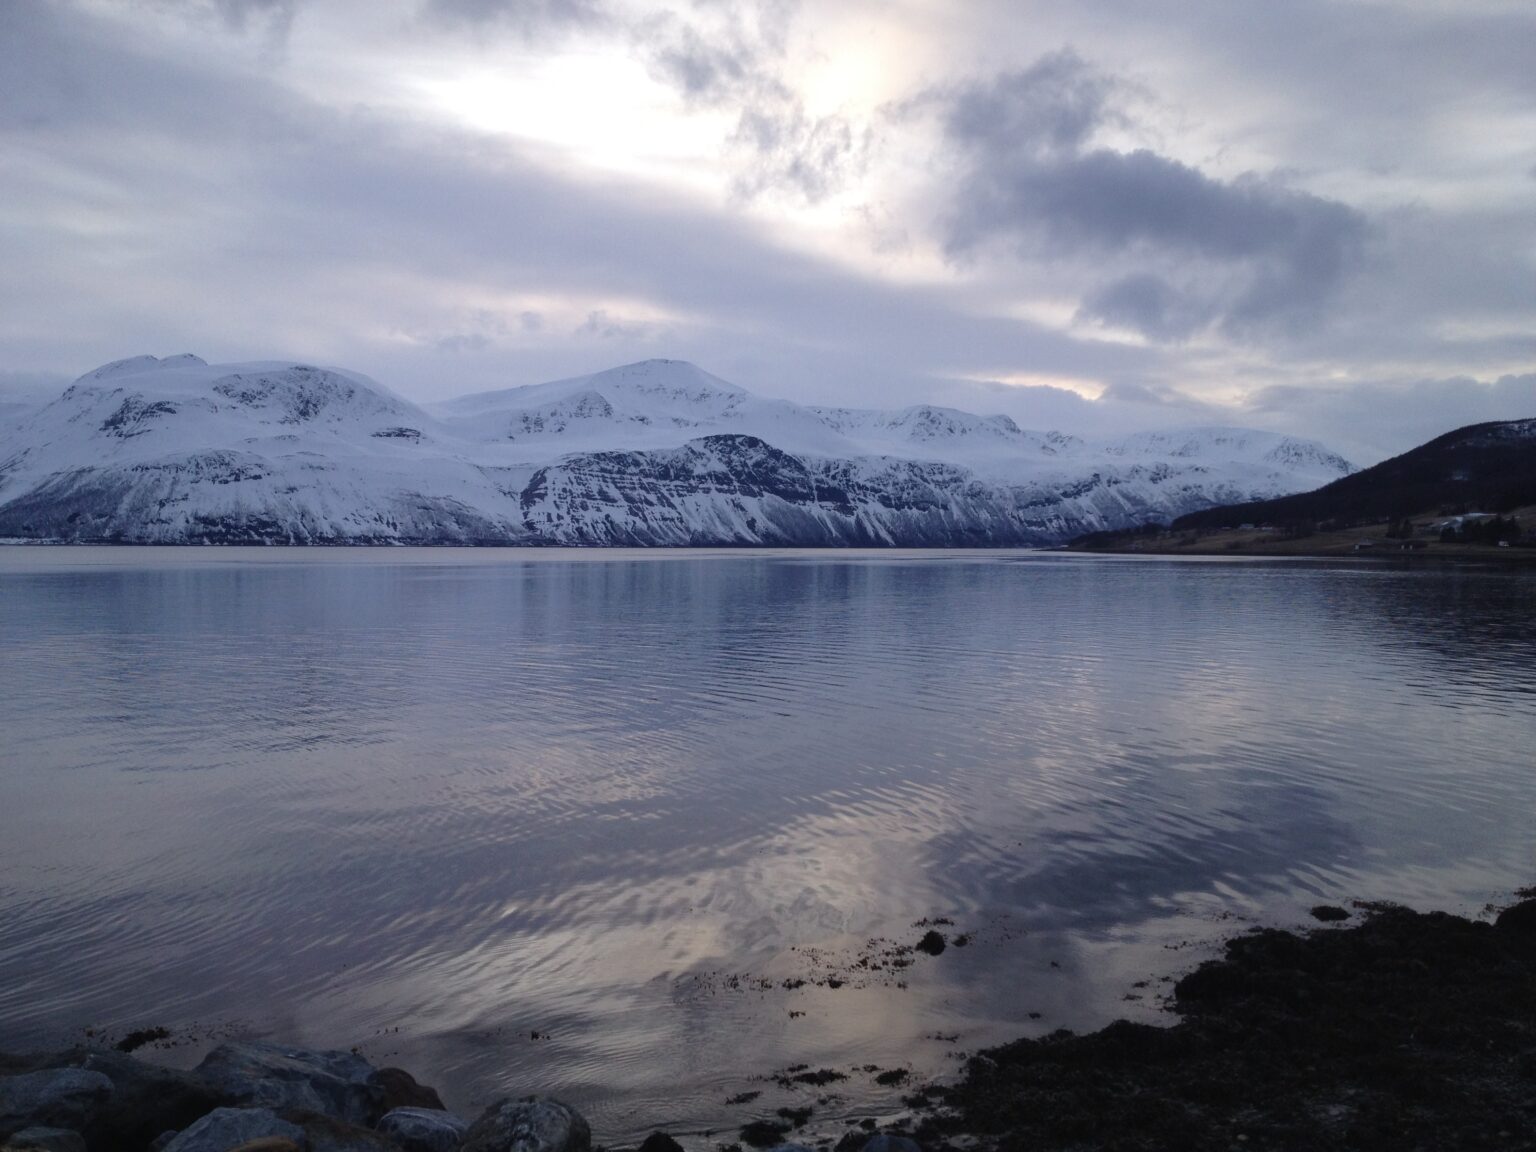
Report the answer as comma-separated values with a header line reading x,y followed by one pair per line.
x,y
932,943
1406,1030
797,1074
142,1036
763,1133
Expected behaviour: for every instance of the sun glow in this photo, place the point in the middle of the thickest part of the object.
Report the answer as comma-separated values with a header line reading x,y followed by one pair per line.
x,y
601,109
1082,386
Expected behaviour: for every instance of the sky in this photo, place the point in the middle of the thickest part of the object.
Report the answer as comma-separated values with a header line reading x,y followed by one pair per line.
x,y
1313,216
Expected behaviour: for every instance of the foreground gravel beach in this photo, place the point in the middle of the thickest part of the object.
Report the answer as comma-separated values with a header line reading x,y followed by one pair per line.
x,y
1382,1028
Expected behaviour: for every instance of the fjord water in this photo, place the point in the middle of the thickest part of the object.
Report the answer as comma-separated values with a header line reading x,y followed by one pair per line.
x,y
432,802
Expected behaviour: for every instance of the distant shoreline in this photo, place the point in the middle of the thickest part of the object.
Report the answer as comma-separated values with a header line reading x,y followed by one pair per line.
x,y
1369,543
1218,546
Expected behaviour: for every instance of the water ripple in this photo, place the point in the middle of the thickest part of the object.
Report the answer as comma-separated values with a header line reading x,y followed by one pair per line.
x,y
471,796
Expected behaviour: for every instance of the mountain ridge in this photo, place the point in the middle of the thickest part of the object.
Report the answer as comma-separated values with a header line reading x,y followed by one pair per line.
x,y
178,450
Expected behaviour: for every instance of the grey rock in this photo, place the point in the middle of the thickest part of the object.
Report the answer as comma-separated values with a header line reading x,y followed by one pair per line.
x,y
159,1142
327,1134
886,1143
424,1129
250,1074
1519,920
45,1140
146,1099
398,1089
529,1124
51,1098
224,1129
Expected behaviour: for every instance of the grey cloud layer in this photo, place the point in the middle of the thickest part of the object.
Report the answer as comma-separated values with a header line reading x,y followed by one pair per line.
x,y
291,213
154,199
534,19
1244,253
1398,413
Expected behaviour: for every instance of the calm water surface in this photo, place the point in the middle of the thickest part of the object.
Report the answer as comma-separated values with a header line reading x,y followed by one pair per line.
x,y
431,802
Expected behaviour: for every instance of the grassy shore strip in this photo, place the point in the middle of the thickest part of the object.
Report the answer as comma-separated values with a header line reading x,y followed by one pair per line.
x,y
1403,1030
1320,546
1368,541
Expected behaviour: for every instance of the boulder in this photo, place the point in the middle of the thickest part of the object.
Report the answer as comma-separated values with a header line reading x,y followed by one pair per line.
x,y
660,1142
884,1142
146,1100
1518,920
398,1089
424,1129
45,1140
249,1074
327,1134
52,1098
225,1129
529,1124
763,1133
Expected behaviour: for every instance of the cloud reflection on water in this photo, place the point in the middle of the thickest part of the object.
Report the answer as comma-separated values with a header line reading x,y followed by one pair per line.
x,y
473,796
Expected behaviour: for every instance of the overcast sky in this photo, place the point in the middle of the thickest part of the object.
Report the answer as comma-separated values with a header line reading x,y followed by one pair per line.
x,y
1317,216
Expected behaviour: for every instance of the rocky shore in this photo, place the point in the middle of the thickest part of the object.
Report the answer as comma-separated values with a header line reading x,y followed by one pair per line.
x,y
1385,1029
1401,1031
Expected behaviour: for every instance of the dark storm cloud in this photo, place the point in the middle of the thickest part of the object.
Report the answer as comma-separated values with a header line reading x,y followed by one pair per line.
x,y
1251,251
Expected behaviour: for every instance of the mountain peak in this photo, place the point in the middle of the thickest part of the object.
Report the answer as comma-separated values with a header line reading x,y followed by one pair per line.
x,y
134,365
664,375
129,366
650,388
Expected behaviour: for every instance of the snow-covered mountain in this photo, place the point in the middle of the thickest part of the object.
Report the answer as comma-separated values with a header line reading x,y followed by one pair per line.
x,y
177,450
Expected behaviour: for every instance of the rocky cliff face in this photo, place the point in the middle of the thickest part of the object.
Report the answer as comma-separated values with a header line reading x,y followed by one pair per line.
x,y
179,451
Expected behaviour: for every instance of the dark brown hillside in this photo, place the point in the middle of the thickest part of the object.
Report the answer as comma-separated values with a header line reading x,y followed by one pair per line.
x,y
1479,468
